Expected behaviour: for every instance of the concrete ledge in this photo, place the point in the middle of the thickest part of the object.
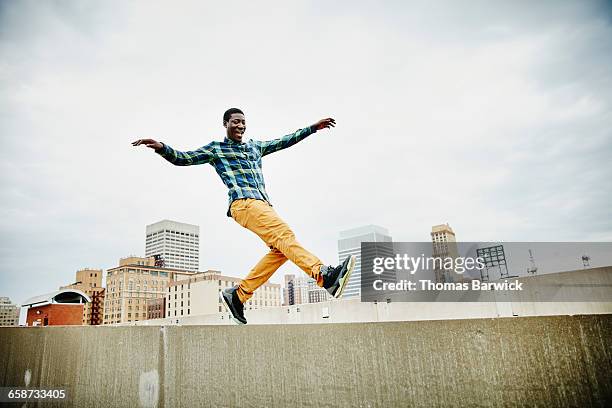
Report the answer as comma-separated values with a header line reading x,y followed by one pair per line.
x,y
551,361
355,311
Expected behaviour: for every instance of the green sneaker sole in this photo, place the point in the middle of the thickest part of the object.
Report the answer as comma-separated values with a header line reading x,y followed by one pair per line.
x,y
344,280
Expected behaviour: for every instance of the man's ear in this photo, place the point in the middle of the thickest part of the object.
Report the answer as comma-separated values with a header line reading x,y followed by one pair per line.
x,y
225,124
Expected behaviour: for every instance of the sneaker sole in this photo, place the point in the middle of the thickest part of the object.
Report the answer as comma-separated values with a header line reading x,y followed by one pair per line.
x,y
346,278
238,322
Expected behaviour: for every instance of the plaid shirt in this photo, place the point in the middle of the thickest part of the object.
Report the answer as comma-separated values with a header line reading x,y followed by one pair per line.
x,y
238,164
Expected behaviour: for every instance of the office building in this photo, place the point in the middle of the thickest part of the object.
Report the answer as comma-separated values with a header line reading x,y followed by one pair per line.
x,y
349,243
296,289
199,295
444,245
9,312
177,243
316,293
303,289
287,289
134,282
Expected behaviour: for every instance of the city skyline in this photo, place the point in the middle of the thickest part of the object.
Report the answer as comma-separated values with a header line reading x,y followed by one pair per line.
x,y
493,118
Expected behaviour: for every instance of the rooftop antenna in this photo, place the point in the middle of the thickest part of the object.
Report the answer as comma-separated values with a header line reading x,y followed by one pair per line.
x,y
159,260
533,269
586,261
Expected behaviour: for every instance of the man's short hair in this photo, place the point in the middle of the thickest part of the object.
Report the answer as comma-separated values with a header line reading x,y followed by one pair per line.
x,y
228,114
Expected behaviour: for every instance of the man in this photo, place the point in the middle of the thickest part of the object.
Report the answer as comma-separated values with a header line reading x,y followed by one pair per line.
x,y
238,164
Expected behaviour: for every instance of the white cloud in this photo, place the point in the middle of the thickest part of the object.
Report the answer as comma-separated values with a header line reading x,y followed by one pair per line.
x,y
480,117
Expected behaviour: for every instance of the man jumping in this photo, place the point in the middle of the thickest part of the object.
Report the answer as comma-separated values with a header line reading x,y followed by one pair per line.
x,y
238,164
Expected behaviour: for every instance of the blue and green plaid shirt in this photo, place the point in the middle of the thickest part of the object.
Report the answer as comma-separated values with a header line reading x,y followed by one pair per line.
x,y
238,164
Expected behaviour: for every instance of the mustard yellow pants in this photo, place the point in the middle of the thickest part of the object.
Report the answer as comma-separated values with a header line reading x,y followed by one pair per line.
x,y
259,217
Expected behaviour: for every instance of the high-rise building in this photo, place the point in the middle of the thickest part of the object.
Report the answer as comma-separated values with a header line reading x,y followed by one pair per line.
x,y
9,312
199,294
442,234
296,289
350,244
177,243
444,246
89,281
131,284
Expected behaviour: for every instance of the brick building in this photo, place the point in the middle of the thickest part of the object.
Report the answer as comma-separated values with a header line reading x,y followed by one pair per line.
x,y
63,307
156,308
89,281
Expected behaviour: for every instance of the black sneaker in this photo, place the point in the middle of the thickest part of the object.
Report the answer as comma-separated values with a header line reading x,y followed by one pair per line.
x,y
335,279
232,303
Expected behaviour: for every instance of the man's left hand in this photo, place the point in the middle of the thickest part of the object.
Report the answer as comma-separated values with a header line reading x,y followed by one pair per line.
x,y
325,124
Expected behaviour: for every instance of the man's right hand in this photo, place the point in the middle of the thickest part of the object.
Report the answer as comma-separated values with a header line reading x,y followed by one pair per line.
x,y
149,143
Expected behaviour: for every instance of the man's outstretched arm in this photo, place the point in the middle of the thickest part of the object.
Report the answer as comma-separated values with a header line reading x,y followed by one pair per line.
x,y
200,156
275,145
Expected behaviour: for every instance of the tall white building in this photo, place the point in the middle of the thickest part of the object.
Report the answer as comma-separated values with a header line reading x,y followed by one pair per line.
x,y
177,243
350,244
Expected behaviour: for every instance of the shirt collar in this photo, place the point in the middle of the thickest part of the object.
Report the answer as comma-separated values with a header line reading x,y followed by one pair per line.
x,y
230,141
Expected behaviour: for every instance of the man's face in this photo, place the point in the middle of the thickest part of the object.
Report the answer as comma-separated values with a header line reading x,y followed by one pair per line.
x,y
236,126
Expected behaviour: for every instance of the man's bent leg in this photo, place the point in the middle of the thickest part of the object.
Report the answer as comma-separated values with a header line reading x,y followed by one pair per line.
x,y
260,274
259,217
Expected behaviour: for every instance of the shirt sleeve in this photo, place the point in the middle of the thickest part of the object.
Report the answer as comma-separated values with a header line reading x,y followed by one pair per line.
x,y
271,146
203,155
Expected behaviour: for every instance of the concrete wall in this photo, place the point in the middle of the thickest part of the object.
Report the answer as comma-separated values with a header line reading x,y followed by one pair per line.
x,y
552,361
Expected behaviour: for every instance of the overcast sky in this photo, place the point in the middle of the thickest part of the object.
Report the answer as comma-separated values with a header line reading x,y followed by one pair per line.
x,y
495,117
